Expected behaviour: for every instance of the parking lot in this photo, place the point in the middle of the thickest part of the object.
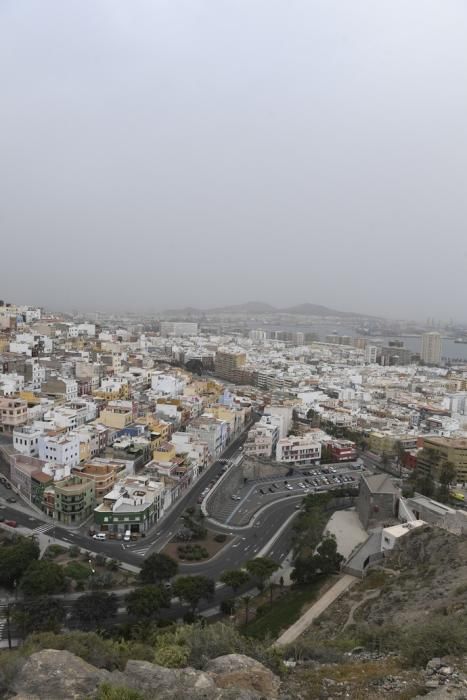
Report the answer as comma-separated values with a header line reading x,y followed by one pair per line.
x,y
244,499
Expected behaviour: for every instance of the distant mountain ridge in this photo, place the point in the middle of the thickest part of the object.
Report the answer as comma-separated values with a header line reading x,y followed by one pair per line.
x,y
259,307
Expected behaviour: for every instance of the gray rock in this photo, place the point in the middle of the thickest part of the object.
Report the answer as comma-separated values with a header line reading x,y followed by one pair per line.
x,y
239,671
60,675
169,682
55,675
434,663
446,670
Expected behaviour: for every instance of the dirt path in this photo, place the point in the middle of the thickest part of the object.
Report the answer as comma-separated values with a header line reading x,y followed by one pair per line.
x,y
367,596
316,609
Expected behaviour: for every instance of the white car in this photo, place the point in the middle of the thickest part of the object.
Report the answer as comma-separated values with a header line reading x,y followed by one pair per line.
x,y
289,487
302,486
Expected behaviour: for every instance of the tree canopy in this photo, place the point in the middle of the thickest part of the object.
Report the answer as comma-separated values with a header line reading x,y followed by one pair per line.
x,y
157,568
94,610
39,615
326,560
191,589
146,602
43,578
262,569
15,558
235,578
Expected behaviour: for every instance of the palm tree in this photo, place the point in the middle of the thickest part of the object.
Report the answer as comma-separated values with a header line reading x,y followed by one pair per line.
x,y
400,452
246,602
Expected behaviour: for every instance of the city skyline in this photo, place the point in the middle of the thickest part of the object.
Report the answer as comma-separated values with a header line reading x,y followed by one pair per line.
x,y
158,155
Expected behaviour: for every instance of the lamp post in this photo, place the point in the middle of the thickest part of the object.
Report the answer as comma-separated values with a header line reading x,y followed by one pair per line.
x,y
93,571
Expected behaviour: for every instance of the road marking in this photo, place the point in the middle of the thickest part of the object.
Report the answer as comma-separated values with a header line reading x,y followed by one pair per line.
x,y
42,529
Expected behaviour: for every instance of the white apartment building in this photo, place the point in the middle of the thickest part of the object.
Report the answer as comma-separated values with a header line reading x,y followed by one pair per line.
x,y
283,416
431,348
167,384
257,335
213,432
371,352
178,328
60,449
298,450
196,450
11,384
259,442
26,440
34,374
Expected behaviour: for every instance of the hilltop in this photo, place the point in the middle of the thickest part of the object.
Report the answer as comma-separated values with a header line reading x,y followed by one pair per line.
x,y
388,635
259,308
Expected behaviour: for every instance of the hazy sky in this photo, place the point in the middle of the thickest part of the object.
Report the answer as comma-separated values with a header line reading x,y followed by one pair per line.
x,y
162,153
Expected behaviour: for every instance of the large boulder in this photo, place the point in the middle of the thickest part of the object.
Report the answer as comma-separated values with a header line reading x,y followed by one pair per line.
x,y
60,675
54,675
169,682
240,671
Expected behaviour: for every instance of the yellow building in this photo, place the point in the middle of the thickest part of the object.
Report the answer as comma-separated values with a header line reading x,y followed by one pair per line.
x,y
437,450
117,414
30,398
166,452
382,442
113,390
235,419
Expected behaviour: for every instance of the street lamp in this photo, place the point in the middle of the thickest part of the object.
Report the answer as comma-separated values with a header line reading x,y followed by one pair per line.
x,y
93,571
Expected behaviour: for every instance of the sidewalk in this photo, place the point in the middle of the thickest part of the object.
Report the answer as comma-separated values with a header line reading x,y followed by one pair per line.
x,y
316,610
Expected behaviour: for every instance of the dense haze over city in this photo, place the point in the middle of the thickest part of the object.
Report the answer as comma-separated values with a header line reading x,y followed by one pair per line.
x,y
161,154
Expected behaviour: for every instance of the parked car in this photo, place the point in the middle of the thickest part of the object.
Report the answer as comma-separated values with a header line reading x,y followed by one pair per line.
x,y
7,485
11,523
11,500
127,536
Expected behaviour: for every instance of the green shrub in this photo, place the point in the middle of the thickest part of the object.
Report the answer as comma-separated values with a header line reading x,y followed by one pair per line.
x,y
208,642
220,537
101,559
304,649
172,656
114,692
440,637
74,551
77,571
100,652
11,662
53,551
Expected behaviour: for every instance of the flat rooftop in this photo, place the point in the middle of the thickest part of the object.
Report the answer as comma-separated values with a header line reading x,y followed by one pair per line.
x,y
403,528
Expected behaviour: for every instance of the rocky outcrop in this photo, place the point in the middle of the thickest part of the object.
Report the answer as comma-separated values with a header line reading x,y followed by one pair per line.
x,y
55,675
243,672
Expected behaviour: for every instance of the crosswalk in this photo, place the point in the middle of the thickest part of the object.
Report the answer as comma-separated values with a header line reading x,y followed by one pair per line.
x,y
3,620
141,551
42,529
